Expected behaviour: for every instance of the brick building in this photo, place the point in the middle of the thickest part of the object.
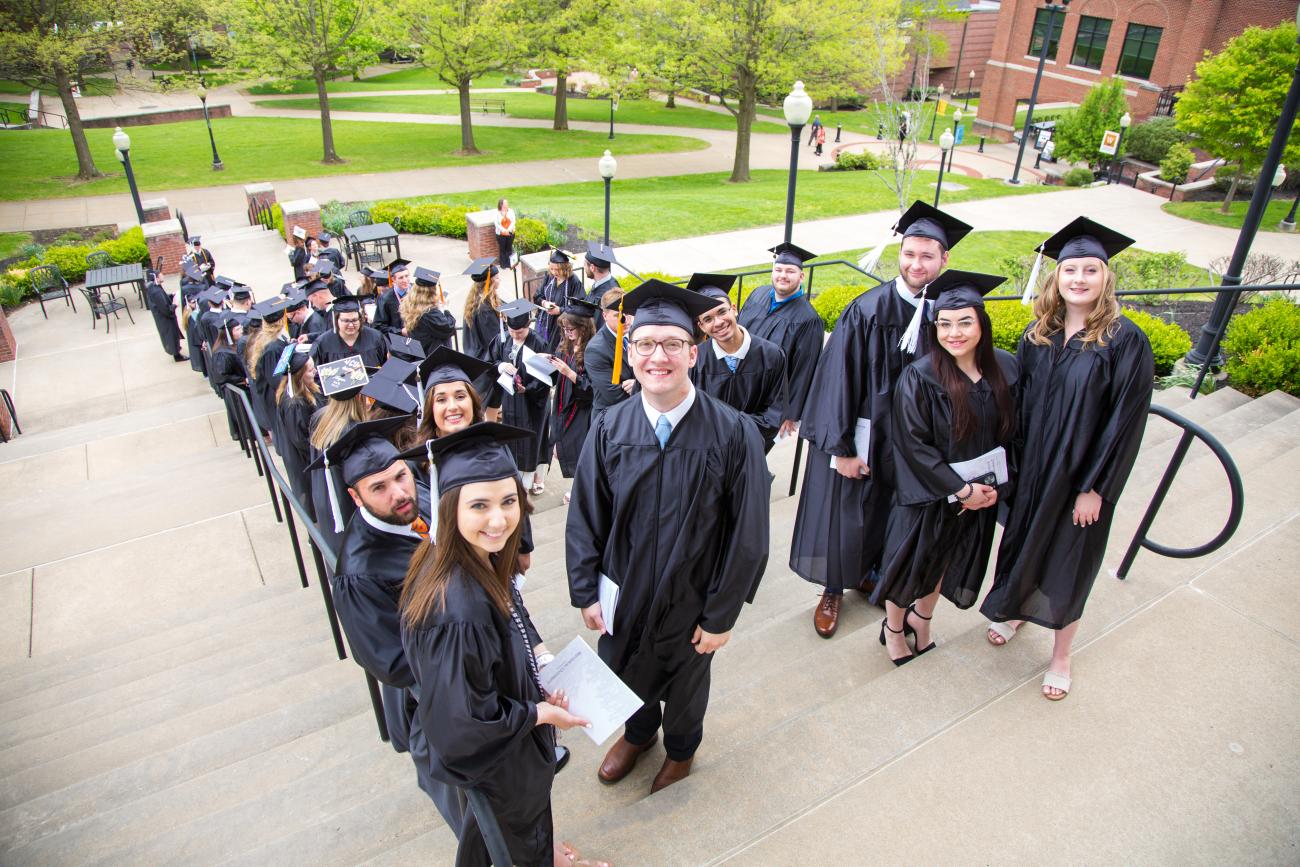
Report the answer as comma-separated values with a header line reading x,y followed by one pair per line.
x,y
1153,45
969,42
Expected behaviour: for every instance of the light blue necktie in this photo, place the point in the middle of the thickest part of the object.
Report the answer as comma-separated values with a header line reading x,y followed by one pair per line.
x,y
732,362
663,429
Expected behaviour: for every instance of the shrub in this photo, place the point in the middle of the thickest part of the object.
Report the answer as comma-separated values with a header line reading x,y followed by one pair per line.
x,y
69,238
1169,342
1009,320
1176,164
451,222
392,211
866,161
1078,176
421,219
71,261
530,235
127,249
13,287
334,216
1150,140
1263,349
277,218
1141,269
830,302
30,250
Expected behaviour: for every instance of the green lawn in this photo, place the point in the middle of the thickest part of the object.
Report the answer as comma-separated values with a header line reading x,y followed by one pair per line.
x,y
537,106
867,120
412,78
10,242
657,209
41,163
1208,212
95,86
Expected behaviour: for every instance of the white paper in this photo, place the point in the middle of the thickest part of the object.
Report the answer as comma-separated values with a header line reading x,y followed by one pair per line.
x,y
608,601
537,365
595,693
507,382
994,462
861,440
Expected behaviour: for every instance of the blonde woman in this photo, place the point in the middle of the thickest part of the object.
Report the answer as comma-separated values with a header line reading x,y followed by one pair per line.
x,y
424,313
298,397
342,410
1086,374
482,323
261,355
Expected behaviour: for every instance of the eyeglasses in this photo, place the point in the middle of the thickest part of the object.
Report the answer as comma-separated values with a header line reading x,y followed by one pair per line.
x,y
672,346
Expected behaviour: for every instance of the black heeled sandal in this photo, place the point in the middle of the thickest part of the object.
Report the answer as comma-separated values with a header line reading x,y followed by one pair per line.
x,y
902,660
911,609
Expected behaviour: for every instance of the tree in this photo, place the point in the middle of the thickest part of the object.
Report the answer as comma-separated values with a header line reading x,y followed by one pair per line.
x,y
555,31
1231,107
1078,136
296,38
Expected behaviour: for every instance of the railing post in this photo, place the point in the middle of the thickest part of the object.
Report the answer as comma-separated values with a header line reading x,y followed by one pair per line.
x,y
377,704
322,577
293,537
1157,500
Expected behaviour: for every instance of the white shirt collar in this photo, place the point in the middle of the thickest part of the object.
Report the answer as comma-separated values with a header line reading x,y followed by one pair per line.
x,y
675,415
740,353
384,526
905,292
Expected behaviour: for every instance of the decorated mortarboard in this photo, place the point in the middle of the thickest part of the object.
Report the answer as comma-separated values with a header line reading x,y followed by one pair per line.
x,y
292,359
712,285
393,395
1082,238
581,307
478,453
957,290
300,233
325,268
481,268
361,451
920,221
425,277
274,308
518,313
789,254
447,365
560,257
401,346
600,255
397,265
343,379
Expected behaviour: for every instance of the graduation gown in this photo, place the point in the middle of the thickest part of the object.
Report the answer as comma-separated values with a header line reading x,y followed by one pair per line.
x,y
370,345
548,325
599,289
529,407
795,327
599,360
929,538
572,416
479,331
388,317
194,342
757,388
435,328
262,390
163,308
317,322
335,256
320,495
298,260
683,531
478,710
839,529
1083,409
294,415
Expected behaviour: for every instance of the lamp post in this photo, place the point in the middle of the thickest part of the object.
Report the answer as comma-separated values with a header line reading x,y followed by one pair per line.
x,y
216,160
1125,121
1279,178
608,165
956,119
613,107
798,108
122,144
1288,222
1052,9
935,116
945,143
970,85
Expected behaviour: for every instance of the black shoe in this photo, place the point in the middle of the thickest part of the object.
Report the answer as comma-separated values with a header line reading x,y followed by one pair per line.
x,y
179,357
561,758
902,660
911,609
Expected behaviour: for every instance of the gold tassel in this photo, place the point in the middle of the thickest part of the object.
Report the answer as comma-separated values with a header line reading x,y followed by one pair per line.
x,y
618,348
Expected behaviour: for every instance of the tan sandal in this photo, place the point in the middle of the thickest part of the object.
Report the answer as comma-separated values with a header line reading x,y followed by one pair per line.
x,y
1003,631
1052,680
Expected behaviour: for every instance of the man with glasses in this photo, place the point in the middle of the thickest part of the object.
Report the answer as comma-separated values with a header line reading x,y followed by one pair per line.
x,y
350,336
667,533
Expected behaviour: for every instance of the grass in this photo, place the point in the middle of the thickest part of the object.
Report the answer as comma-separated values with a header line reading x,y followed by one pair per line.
x,y
866,120
41,163
1208,212
657,209
11,242
95,86
537,106
413,78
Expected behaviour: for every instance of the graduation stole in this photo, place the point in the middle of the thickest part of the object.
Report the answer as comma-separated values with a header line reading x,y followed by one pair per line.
x,y
618,347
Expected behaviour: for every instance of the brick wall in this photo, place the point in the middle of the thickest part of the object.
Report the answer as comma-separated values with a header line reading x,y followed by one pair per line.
x,y
156,210
301,212
481,234
261,194
165,239
980,27
149,118
8,344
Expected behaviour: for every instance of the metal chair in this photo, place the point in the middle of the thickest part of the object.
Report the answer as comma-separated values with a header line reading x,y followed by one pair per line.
x,y
359,218
372,256
48,283
101,305
98,259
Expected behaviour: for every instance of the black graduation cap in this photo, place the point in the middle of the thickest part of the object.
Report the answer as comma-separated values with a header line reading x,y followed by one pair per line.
x,y
955,290
241,290
656,302
213,296
294,300
325,237
367,270
397,266
347,303
712,285
448,365
315,286
293,359
379,278
559,257
425,277
361,451
581,307
600,255
225,281
393,394
325,268
480,269
252,319
518,313
401,346
925,221
476,454
397,370
195,240
790,254
343,379
1082,238
231,320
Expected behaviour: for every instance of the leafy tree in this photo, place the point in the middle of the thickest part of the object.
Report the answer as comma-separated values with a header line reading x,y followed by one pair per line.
x,y
555,32
1078,136
1231,107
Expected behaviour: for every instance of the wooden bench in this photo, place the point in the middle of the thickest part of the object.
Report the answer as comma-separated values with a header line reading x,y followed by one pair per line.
x,y
487,106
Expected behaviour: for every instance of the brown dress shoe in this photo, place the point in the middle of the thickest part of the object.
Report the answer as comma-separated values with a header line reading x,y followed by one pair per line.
x,y
826,617
621,759
671,773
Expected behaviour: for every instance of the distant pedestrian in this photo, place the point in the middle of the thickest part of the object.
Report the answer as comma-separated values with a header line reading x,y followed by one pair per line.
x,y
821,140
504,222
812,132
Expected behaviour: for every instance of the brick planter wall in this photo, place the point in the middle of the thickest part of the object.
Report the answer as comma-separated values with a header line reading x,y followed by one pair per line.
x,y
261,194
301,212
481,234
532,269
156,210
165,239
149,118
8,345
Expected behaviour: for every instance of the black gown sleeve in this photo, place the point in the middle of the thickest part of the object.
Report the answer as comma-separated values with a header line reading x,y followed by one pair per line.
x,y
842,377
923,474
370,620
591,509
435,328
748,488
805,349
1115,445
600,371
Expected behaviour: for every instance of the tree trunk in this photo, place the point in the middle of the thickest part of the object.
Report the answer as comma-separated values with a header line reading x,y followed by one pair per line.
x,y
326,128
561,101
466,121
1232,191
85,162
747,85
835,104
672,99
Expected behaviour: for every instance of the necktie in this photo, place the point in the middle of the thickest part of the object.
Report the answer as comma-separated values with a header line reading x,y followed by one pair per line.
x,y
732,362
663,429
421,528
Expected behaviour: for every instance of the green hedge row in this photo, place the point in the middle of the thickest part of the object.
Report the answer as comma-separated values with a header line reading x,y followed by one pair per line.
x,y
129,247
432,218
1263,349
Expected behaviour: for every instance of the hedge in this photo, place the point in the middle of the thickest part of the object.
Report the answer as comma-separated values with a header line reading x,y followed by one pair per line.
x,y
1263,349
71,261
1169,342
433,218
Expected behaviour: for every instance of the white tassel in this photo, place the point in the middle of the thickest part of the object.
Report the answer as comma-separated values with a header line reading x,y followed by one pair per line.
x,y
290,375
503,330
333,497
913,332
434,496
872,258
1031,285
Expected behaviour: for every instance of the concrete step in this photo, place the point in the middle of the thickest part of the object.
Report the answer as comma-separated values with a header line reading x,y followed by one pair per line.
x,y
37,443
1204,408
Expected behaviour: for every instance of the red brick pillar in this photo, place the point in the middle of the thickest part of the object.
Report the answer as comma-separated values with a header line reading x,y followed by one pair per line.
x,y
261,194
165,240
301,212
533,268
155,210
8,345
481,233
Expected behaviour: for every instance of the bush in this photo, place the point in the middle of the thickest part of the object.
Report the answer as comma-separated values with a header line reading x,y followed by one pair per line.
x,y
420,219
1150,140
865,161
277,219
1169,342
12,288
1140,269
1078,135
31,250
452,223
1078,177
391,211
530,236
129,248
71,261
831,301
1176,164
334,216
1009,320
1263,349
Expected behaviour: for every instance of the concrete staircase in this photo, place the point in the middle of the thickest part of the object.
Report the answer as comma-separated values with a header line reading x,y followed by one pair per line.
x,y
182,701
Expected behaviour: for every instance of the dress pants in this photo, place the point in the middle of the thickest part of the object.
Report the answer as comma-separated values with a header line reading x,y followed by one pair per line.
x,y
685,699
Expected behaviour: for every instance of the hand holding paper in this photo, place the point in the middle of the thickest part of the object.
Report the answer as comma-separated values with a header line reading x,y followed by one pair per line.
x,y
594,693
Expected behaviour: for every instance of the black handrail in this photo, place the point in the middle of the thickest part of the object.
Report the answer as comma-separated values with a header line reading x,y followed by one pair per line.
x,y
498,851
1191,430
13,415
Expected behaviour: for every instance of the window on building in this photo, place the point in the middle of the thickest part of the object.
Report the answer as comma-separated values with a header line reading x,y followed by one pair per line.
x,y
1139,53
1040,27
1090,43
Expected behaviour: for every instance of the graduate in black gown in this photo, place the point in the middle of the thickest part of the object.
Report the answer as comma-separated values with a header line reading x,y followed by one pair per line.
x,y
394,392
558,286
350,336
266,353
388,317
600,279
743,371
472,651
333,254
299,258
571,415
527,402
162,305
202,261
839,530
424,314
956,404
482,323
782,314
669,509
1086,374
318,320
194,331
298,397
608,390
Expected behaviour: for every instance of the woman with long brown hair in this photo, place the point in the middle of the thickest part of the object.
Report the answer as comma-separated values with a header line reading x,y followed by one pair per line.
x,y
954,415
572,416
470,645
345,407
1086,375
424,312
298,397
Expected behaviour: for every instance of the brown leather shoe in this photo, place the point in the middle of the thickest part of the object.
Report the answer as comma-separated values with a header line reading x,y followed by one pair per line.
x,y
671,773
621,759
826,616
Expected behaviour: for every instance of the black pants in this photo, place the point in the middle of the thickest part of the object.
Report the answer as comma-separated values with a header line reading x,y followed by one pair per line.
x,y
685,700
505,248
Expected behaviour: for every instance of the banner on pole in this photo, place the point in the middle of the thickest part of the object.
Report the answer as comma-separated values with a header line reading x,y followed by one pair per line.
x,y
1109,142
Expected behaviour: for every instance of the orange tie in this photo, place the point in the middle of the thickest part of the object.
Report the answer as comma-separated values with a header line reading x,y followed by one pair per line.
x,y
421,527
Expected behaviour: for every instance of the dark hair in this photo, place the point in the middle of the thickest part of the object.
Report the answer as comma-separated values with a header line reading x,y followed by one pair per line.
x,y
428,430
957,384
586,330
432,565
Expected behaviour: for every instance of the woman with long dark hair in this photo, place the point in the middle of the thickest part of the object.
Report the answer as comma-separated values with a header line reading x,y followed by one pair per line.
x,y
482,323
1086,374
572,416
952,406
298,397
558,286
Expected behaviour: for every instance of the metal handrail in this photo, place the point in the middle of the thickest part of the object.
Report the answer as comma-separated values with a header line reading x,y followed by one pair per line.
x,y
1191,430
495,841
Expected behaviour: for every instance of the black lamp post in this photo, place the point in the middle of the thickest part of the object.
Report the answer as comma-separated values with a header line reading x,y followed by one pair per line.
x,y
613,107
934,117
798,107
608,165
1052,9
945,145
216,160
1288,223
122,143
